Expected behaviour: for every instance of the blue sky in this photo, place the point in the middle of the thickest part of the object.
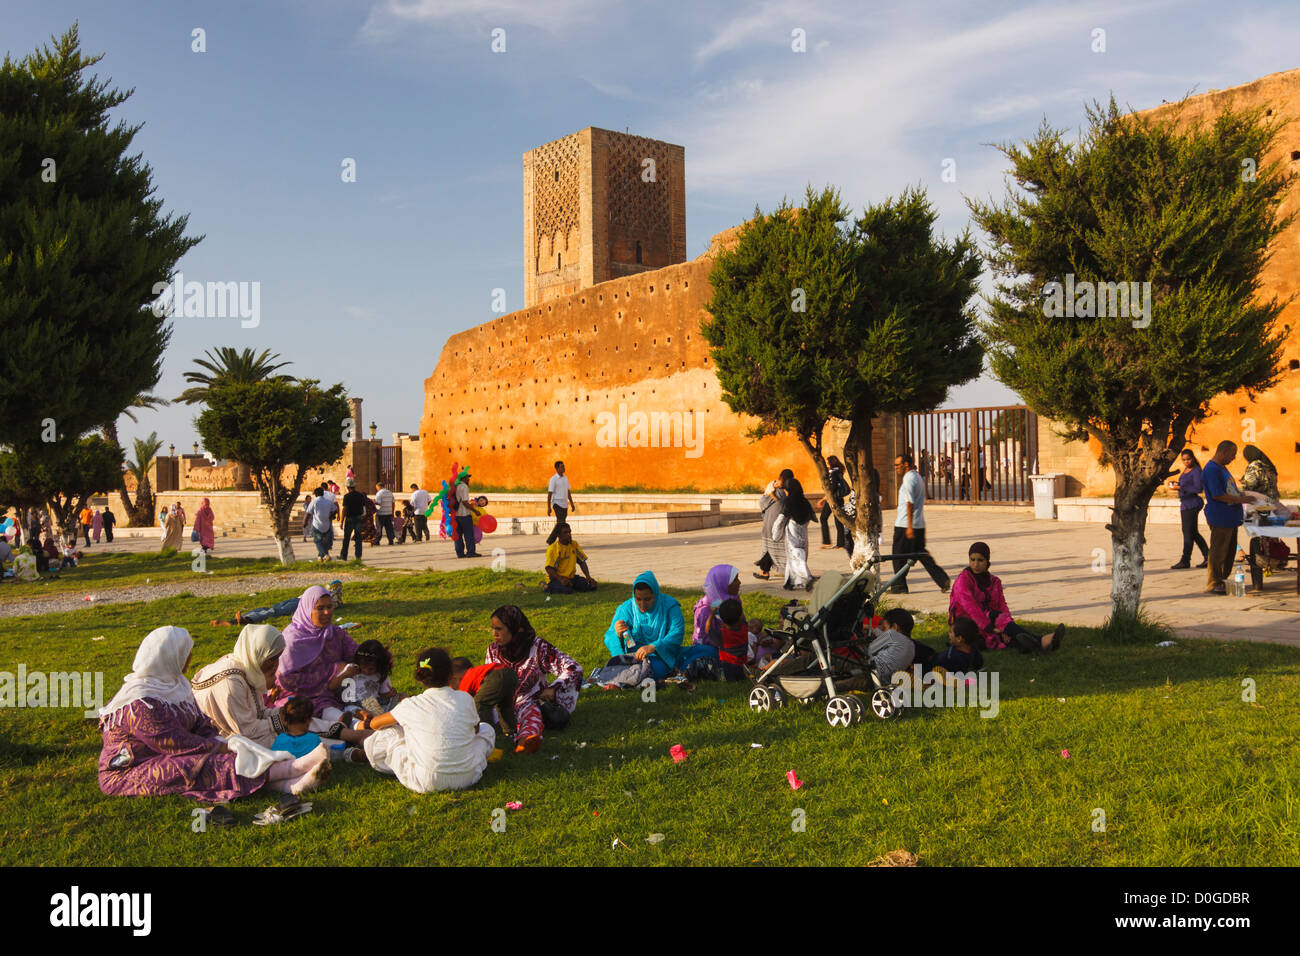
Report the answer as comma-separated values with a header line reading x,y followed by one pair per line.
x,y
363,282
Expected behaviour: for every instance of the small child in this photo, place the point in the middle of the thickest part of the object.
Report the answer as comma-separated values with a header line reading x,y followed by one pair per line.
x,y
399,528
734,652
962,655
336,592
296,717
70,557
366,678
493,688
408,522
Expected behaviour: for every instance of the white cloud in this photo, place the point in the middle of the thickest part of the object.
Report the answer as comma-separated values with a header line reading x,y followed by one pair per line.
x,y
393,16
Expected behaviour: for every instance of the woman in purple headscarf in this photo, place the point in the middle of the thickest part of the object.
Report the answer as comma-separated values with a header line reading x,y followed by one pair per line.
x,y
313,645
722,582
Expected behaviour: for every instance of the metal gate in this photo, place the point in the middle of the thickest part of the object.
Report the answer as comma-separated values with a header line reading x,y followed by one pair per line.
x,y
975,455
390,466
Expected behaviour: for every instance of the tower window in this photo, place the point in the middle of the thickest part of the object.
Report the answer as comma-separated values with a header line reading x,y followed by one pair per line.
x,y
558,260
557,175
638,253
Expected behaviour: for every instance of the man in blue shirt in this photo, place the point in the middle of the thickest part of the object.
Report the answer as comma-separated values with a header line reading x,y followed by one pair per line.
x,y
1223,514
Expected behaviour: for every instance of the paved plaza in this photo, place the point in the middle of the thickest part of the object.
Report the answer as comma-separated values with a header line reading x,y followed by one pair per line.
x,y
1047,568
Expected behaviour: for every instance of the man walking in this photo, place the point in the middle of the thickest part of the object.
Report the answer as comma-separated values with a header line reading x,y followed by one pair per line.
x,y
559,500
1223,513
354,512
384,504
464,521
420,503
909,525
322,510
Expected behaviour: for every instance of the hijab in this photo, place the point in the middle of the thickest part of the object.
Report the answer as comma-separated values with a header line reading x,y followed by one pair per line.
x,y
157,672
522,634
796,507
1253,454
649,626
717,583
984,578
303,640
257,643
205,507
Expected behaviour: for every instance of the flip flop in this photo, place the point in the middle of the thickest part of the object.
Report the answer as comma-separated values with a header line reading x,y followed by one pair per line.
x,y
288,808
1056,637
220,816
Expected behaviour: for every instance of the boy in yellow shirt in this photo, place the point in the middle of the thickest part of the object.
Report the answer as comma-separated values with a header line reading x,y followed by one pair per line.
x,y
563,558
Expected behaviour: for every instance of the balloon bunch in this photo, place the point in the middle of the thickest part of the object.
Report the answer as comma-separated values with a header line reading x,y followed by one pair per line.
x,y
484,523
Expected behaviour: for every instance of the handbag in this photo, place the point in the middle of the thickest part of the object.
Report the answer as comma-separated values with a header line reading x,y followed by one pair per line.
x,y
194,535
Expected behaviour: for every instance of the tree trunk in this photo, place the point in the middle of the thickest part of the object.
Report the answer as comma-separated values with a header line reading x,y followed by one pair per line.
x,y
1127,537
866,483
144,515
280,501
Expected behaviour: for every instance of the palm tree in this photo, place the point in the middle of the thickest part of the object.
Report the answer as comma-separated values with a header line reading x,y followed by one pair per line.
x,y
226,366
142,514
143,401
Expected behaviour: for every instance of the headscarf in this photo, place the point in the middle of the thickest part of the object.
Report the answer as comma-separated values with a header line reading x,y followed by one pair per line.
x,y
522,634
205,506
664,619
256,644
718,582
796,507
984,578
1253,454
157,672
303,640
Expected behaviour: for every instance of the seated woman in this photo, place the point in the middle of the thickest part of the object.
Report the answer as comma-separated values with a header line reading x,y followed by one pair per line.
x,y
537,705
723,582
157,741
313,644
977,594
229,690
648,626
433,741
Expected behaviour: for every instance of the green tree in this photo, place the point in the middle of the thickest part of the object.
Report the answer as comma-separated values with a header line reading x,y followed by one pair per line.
x,y
280,430
82,244
814,320
1136,200
62,475
224,366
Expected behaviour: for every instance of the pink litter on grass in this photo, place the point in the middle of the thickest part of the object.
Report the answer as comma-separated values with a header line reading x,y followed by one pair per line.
x,y
795,782
678,752
1065,753
514,805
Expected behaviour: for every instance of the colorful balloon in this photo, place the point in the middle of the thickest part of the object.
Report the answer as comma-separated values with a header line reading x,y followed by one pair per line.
x,y
486,523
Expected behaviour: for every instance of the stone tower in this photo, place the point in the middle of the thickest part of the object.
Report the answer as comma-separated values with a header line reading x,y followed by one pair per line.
x,y
600,205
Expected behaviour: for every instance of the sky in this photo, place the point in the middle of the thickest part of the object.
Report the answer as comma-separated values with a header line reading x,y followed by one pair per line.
x,y
363,282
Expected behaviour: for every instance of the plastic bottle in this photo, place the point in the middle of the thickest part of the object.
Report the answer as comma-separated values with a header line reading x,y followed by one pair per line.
x,y
1239,580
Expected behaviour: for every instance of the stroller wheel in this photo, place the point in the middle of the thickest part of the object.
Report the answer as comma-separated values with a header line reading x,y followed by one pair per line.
x,y
839,712
883,705
856,704
778,697
760,698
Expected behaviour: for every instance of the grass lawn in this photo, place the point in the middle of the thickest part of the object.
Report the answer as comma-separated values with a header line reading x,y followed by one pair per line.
x,y
1159,739
100,572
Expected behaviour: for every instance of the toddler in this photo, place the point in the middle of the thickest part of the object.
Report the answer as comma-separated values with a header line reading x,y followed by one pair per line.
x,y
493,688
366,679
295,715
734,650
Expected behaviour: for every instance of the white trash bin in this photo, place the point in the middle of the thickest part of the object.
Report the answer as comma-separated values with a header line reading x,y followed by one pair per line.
x,y
1047,488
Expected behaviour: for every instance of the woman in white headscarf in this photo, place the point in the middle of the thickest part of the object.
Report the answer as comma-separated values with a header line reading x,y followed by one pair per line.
x,y
230,690
157,741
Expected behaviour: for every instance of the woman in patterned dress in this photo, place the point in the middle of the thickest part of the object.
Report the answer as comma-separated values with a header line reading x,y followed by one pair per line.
x,y
516,644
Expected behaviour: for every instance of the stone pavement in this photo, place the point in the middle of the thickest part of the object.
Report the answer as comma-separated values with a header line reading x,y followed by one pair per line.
x,y
1045,566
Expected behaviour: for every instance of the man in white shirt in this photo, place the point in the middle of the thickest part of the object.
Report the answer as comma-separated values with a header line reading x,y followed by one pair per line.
x,y
384,506
464,540
420,502
909,525
559,500
322,510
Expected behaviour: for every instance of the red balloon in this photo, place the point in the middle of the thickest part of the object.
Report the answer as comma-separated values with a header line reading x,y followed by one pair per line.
x,y
487,524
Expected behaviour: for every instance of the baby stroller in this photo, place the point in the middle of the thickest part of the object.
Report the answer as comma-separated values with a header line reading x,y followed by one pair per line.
x,y
826,642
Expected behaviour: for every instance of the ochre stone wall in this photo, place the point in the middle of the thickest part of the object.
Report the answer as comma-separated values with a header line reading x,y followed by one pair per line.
x,y
561,379
1273,419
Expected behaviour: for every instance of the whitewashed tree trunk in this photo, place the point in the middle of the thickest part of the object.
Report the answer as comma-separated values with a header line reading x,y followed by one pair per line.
x,y
1127,527
284,546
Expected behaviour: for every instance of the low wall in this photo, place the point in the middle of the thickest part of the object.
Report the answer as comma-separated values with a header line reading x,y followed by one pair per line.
x,y
1161,510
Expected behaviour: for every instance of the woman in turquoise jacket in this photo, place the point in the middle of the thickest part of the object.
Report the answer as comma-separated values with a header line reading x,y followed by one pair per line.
x,y
649,624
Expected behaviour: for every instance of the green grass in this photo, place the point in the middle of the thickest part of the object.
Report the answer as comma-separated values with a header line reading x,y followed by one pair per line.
x,y
1159,739
99,573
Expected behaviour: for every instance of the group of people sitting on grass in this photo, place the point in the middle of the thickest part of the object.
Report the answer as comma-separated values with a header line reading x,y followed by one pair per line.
x,y
279,707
